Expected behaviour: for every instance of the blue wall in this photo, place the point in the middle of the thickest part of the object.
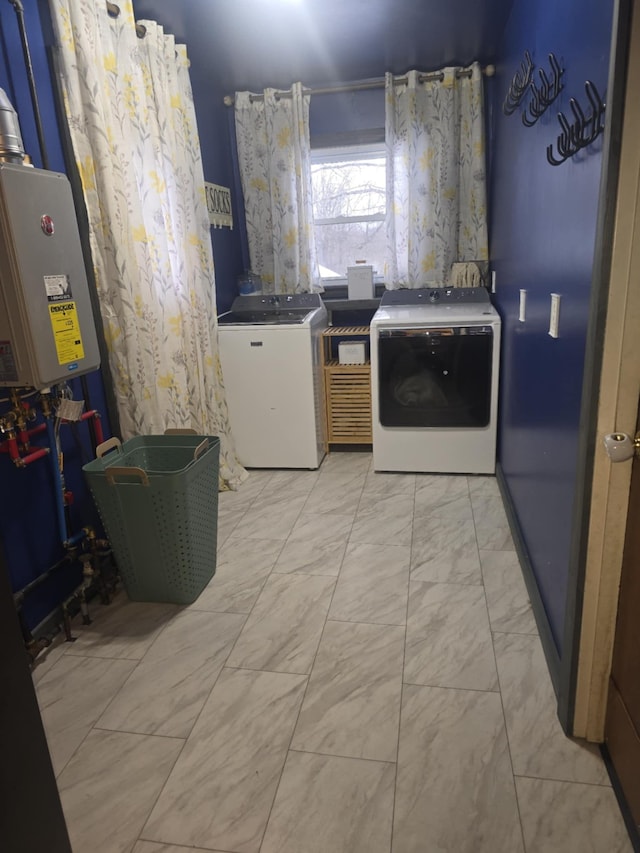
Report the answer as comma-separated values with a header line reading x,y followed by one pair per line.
x,y
13,80
28,532
214,130
341,112
542,234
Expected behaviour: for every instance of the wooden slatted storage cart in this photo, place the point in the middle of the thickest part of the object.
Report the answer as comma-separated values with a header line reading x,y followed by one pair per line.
x,y
347,389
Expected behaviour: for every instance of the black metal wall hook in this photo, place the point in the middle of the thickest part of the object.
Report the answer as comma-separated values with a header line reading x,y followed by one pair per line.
x,y
584,129
519,85
544,95
598,107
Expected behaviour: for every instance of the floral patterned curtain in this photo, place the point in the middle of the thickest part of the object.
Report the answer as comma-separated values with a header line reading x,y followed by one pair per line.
x,y
436,195
274,157
130,111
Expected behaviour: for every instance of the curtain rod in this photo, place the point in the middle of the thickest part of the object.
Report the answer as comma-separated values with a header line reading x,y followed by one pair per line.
x,y
113,11
359,86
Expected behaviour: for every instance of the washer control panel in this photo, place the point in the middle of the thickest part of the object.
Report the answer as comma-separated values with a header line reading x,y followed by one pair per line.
x,y
435,296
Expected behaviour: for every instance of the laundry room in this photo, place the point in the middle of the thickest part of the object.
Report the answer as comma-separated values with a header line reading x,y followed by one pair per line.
x,y
313,319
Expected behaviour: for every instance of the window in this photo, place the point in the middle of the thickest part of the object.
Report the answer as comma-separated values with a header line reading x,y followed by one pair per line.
x,y
349,205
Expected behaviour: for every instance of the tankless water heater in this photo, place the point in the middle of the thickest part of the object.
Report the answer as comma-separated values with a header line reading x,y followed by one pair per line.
x,y
47,333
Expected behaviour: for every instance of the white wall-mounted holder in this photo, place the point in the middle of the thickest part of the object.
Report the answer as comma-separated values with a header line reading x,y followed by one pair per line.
x,y
522,314
554,317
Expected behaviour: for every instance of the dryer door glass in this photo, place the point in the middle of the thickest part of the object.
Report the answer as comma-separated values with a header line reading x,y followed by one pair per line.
x,y
435,377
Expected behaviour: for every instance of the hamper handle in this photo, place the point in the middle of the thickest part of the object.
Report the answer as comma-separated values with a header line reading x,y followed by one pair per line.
x,y
180,431
120,471
110,444
200,449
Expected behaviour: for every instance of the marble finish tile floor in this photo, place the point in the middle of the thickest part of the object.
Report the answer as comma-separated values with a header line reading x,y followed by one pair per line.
x,y
363,674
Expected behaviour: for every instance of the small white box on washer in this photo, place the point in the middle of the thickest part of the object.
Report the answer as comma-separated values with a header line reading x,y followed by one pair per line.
x,y
360,281
351,353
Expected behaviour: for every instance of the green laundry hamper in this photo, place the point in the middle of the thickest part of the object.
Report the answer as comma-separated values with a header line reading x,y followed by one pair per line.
x,y
157,496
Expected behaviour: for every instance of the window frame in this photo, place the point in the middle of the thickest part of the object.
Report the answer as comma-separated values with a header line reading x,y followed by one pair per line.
x,y
356,150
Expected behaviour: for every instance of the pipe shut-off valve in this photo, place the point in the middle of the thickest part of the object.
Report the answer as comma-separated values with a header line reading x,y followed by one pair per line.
x,y
620,447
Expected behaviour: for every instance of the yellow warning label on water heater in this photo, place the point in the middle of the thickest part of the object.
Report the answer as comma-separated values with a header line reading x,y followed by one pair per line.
x,y
66,331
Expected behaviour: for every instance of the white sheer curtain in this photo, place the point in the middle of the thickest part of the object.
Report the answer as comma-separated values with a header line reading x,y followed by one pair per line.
x,y
436,194
130,112
275,169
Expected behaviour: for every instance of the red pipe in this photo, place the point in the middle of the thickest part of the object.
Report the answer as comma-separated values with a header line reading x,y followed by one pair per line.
x,y
36,430
25,435
98,428
10,445
12,448
95,414
31,457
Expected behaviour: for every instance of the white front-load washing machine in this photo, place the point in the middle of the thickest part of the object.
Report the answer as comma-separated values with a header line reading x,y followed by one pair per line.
x,y
435,356
270,350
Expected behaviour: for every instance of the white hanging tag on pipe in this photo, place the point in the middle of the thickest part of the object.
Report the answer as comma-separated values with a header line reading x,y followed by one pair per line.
x,y
70,410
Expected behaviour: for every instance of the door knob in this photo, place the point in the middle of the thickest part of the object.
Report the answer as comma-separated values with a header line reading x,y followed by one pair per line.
x,y
620,447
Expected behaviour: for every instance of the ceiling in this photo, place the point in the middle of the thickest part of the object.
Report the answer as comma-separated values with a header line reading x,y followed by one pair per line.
x,y
251,44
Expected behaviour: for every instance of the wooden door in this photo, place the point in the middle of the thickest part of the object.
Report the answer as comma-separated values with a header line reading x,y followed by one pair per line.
x,y
622,727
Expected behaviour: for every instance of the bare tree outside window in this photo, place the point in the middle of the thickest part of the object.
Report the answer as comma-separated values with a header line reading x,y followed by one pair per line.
x,y
349,202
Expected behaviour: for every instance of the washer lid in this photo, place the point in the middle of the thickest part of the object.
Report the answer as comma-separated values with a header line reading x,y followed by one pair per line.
x,y
264,318
448,313
285,309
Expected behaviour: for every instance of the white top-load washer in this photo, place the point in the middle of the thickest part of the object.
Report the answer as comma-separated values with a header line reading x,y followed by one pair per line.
x,y
270,353
435,357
